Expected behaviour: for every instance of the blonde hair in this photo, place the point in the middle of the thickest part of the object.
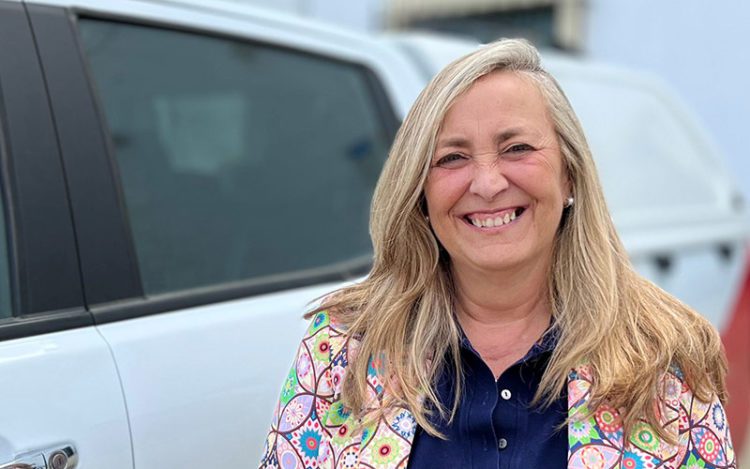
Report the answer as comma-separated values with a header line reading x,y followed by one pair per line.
x,y
627,330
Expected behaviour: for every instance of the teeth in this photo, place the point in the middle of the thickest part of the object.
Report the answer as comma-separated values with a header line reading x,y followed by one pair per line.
x,y
492,222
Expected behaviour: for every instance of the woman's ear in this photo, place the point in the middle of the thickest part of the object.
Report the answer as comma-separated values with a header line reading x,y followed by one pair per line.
x,y
567,189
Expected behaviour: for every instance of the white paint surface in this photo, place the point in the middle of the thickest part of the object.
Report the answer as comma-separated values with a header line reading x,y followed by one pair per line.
x,y
63,388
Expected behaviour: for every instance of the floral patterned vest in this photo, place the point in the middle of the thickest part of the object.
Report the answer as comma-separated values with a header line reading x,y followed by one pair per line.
x,y
312,429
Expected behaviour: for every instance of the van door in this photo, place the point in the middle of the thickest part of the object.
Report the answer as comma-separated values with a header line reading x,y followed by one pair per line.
x,y
61,398
240,170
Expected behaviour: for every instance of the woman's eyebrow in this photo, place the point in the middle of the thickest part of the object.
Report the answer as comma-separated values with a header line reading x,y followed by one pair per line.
x,y
452,142
507,134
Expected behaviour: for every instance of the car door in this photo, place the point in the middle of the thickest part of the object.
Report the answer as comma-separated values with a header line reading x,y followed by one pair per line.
x,y
60,394
220,174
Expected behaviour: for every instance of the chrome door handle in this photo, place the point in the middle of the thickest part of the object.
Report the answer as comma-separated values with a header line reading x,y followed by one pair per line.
x,y
57,457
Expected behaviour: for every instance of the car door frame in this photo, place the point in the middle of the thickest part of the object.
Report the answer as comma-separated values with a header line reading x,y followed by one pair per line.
x,y
47,292
61,388
152,348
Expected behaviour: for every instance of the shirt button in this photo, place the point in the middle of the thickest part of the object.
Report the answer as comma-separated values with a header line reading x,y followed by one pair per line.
x,y
502,443
505,394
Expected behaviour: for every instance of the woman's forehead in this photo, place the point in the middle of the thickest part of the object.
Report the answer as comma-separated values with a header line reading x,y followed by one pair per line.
x,y
503,103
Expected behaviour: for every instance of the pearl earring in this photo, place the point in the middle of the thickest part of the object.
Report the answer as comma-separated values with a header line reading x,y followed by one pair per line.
x,y
569,202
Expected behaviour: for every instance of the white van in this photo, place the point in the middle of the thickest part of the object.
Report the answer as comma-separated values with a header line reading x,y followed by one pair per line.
x,y
678,210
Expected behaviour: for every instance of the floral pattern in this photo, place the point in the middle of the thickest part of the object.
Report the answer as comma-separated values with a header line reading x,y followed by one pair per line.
x,y
312,429
703,439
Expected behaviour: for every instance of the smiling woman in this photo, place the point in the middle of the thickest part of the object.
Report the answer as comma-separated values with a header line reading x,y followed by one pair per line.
x,y
502,324
497,185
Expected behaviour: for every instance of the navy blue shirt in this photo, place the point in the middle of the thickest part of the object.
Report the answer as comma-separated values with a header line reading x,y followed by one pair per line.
x,y
495,427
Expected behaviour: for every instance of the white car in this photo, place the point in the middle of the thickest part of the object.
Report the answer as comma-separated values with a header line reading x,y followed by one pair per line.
x,y
179,180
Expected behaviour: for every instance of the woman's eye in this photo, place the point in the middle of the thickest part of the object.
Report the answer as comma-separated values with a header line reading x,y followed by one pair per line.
x,y
519,148
450,160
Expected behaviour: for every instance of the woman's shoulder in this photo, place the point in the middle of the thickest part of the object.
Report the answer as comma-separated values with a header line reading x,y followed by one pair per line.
x,y
700,422
673,384
327,337
327,320
698,426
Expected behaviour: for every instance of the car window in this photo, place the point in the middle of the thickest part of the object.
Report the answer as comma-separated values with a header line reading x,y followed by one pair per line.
x,y
237,160
5,299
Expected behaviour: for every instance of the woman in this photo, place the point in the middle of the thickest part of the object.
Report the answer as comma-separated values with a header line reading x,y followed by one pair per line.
x,y
502,324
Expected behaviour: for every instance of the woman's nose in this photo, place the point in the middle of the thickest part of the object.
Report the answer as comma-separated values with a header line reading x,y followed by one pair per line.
x,y
488,181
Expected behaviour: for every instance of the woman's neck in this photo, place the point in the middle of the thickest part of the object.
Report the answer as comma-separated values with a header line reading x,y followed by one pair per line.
x,y
502,315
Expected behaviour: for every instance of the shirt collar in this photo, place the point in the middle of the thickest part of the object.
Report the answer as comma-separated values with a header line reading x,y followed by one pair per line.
x,y
546,344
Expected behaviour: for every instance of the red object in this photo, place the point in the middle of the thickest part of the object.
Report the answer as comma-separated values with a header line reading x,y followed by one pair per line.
x,y
736,338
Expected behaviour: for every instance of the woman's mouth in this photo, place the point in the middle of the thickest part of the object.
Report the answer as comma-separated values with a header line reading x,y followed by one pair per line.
x,y
493,220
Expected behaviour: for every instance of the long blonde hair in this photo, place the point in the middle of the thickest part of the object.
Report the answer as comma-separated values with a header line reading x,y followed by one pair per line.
x,y
627,330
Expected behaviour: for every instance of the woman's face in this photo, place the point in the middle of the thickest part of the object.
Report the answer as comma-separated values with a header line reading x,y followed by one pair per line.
x,y
496,186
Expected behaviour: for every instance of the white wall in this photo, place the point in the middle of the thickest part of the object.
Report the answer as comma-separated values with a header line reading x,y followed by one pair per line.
x,y
697,46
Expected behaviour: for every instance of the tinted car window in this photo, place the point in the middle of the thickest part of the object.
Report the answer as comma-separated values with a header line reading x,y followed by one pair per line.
x,y
237,160
5,300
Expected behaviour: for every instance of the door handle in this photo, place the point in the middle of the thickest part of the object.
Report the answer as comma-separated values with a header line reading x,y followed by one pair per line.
x,y
58,457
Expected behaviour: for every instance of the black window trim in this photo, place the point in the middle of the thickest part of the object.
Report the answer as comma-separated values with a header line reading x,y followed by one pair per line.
x,y
9,212
132,302
166,302
36,203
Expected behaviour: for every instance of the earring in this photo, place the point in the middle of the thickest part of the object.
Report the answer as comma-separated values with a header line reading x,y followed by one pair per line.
x,y
569,202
